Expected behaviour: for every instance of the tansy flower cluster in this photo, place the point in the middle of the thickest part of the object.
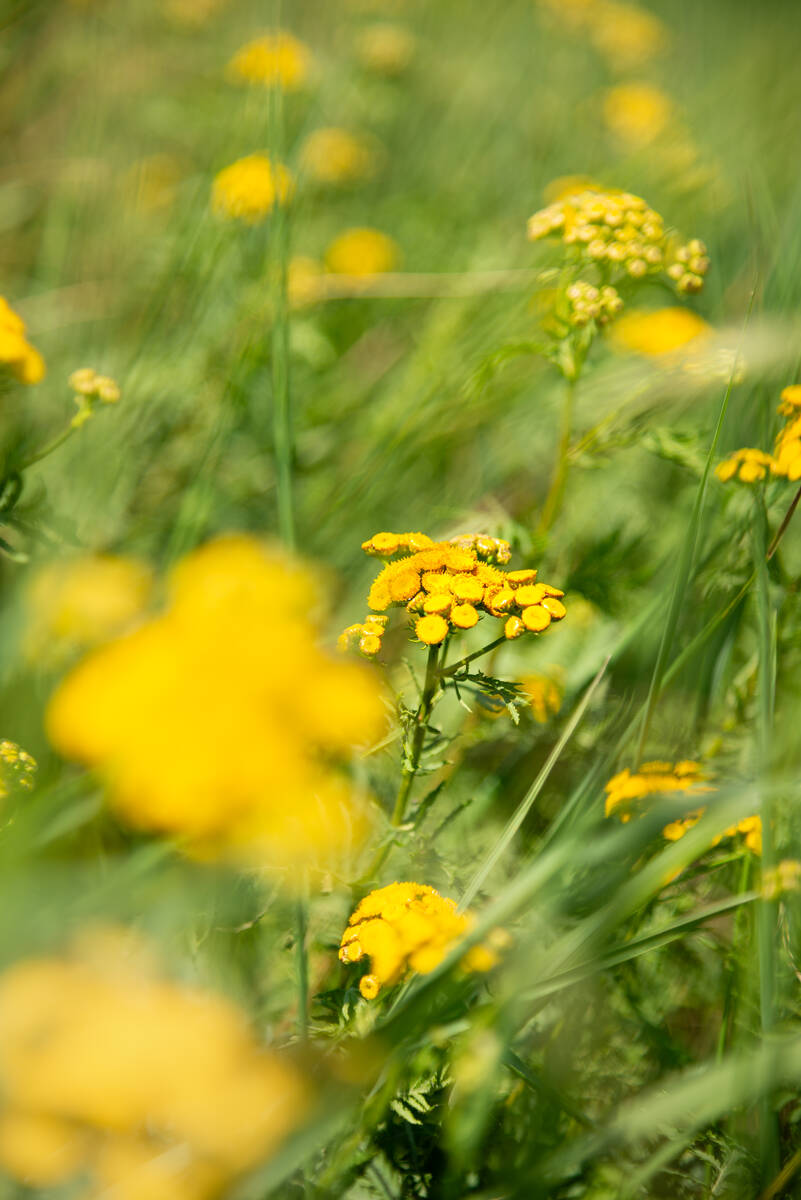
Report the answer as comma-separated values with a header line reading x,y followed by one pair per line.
x,y
274,60
17,768
221,721
544,694
362,252
450,586
407,927
91,389
620,232
661,778
637,113
335,156
249,189
17,355
121,1080
751,465
588,303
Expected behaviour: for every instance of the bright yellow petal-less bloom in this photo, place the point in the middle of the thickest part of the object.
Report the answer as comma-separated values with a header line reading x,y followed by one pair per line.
x,y
747,465
274,60
250,189
386,49
637,113
362,252
17,355
449,586
221,721
107,1066
660,331
407,927
335,156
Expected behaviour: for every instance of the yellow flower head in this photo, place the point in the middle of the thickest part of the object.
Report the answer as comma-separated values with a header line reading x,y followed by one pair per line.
x,y
274,60
620,234
335,156
17,768
250,188
637,113
625,34
787,453
544,694
362,252
660,331
221,721
386,49
790,405
589,303
81,602
17,355
107,1065
747,465
406,927
450,586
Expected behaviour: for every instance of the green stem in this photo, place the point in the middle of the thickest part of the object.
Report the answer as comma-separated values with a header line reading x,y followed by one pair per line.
x,y
48,448
410,767
282,407
468,658
788,516
302,959
553,501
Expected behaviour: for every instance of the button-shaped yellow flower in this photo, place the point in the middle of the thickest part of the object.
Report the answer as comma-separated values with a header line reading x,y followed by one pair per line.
x,y
336,156
275,60
362,252
250,189
16,352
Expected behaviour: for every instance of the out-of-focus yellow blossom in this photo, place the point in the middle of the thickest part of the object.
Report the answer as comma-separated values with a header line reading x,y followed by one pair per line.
x,y
91,389
386,49
335,156
17,355
544,695
408,927
626,35
274,60
790,405
747,465
250,188
787,451
362,252
620,233
661,778
449,586
221,721
637,113
115,1076
786,877
304,277
17,768
661,331
81,602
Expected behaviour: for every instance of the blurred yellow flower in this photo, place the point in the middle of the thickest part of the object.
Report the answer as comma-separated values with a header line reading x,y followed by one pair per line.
x,y
386,49
106,1066
304,277
747,465
335,156
16,352
626,34
449,586
81,602
661,331
275,60
568,185
221,721
544,694
249,189
407,927
362,252
637,113
17,768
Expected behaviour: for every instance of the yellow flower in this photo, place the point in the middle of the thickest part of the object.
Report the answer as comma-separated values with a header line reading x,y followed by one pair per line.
x,y
107,1066
386,49
362,252
450,586
568,185
748,465
790,405
221,721
625,34
786,877
16,352
83,601
17,768
335,156
661,331
637,113
544,695
250,188
406,927
275,60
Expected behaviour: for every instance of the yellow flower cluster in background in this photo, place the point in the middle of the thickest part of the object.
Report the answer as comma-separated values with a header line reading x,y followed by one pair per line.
x,y
750,465
274,60
366,635
83,601
544,694
407,927
662,778
250,188
17,768
618,231
90,390
660,331
336,156
17,355
589,303
362,252
450,586
637,113
115,1077
386,49
221,721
